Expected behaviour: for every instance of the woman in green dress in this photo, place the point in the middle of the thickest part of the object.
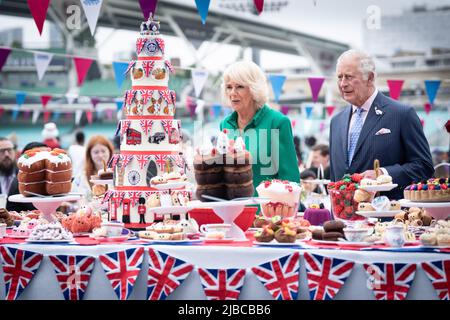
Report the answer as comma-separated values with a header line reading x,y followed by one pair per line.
x,y
267,133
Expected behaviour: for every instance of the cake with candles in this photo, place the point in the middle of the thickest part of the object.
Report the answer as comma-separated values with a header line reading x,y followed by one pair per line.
x,y
150,139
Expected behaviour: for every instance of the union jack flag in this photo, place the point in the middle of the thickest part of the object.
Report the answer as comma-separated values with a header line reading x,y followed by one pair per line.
x,y
161,161
390,281
173,95
167,125
19,267
222,284
146,94
179,161
148,67
439,274
165,274
280,276
125,124
140,42
117,197
130,65
122,268
169,66
129,97
134,197
107,196
166,95
126,159
142,160
146,126
160,44
73,274
326,275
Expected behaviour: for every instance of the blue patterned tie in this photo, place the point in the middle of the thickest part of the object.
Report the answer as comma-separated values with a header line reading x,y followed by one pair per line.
x,y
354,133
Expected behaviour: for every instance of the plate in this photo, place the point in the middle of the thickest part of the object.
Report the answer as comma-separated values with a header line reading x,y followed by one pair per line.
x,y
169,210
409,203
225,240
112,239
347,243
379,214
102,181
21,199
16,237
49,241
416,242
275,243
171,185
185,241
81,234
381,187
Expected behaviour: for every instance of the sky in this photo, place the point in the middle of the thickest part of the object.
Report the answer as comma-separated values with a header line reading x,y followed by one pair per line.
x,y
342,21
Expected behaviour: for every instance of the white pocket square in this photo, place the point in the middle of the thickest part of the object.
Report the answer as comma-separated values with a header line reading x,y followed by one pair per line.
x,y
382,131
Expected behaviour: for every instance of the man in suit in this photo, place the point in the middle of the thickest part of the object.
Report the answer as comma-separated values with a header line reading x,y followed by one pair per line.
x,y
7,165
373,127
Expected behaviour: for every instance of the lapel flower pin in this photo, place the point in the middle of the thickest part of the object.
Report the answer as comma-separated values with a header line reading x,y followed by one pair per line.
x,y
378,112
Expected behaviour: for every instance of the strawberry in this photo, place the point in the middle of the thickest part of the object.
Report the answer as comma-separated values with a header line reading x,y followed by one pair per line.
x,y
356,177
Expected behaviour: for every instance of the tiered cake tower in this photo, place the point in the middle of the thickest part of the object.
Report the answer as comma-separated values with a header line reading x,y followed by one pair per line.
x,y
150,137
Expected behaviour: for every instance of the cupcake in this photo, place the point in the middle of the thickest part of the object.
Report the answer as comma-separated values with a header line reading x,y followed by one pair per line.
x,y
265,235
284,197
285,235
443,240
260,222
428,239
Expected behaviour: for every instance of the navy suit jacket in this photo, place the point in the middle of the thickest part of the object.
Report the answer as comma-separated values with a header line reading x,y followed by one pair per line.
x,y
404,152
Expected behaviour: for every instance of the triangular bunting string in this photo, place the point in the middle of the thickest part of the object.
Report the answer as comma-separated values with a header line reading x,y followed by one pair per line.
x,y
82,66
395,88
439,274
222,284
42,61
92,10
38,9
315,84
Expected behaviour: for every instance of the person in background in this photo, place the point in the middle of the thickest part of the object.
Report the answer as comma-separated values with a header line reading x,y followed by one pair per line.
x,y
308,188
50,134
99,150
298,152
16,206
321,156
8,167
77,152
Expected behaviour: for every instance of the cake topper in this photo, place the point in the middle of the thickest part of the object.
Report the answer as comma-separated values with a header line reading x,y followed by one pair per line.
x,y
150,27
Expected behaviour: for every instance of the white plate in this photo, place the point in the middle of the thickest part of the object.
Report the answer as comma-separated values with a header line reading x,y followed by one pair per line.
x,y
275,243
347,243
100,181
172,185
49,241
17,237
174,241
409,203
169,210
379,214
20,198
416,242
381,187
225,240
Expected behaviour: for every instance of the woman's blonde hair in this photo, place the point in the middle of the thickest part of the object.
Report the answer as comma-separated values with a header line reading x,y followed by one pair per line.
x,y
249,74
89,165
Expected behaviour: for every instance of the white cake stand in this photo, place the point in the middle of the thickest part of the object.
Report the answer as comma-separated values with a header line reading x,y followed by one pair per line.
x,y
47,205
438,210
229,211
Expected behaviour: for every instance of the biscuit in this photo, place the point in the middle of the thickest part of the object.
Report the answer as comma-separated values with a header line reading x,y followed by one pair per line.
x,y
334,225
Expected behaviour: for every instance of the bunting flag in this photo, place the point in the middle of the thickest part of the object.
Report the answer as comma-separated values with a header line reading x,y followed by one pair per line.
x,y
422,122
222,284
173,96
38,9
146,126
161,161
109,114
169,66
134,197
146,94
20,98
71,97
395,88
42,61
119,103
330,110
216,109
126,159
326,275
44,100
259,5
161,44
19,267
124,124
167,125
148,7
119,72
34,117
2,110
439,274
82,66
427,107
73,274
26,114
432,87
46,117
68,116
15,114
89,116
293,123
142,160
122,269
92,10
140,43
165,274
148,67
199,78
277,82
167,96
390,281
284,110
78,115
322,127
281,276
202,7
113,161
95,101
4,53
55,116
308,110
315,84
130,65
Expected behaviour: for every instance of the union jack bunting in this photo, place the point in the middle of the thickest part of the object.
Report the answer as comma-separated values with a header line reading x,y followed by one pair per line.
x,y
146,126
166,95
126,159
179,161
117,129
146,94
165,274
73,274
160,44
173,95
148,67
134,197
161,161
169,66
326,275
115,158
142,160
117,197
19,267
130,65
222,284
107,196
167,125
129,97
390,281
280,276
124,126
140,42
439,274
122,268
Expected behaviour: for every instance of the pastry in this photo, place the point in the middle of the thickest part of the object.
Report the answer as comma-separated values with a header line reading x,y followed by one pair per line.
x,y
317,234
384,179
362,196
368,182
285,235
260,222
332,236
428,239
365,206
443,240
265,235
334,226
395,205
275,223
381,203
431,190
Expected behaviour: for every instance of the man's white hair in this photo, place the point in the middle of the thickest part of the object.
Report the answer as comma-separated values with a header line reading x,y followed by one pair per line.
x,y
367,64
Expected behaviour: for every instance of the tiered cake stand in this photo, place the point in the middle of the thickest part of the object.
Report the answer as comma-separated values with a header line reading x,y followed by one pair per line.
x,y
438,210
178,210
378,214
47,205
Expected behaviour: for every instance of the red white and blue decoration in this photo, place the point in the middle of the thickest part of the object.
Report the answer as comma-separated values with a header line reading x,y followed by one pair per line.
x,y
390,281
122,268
165,274
222,284
19,267
73,274
326,275
280,276
439,274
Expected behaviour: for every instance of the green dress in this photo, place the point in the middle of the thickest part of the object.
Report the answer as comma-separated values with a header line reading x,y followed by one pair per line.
x,y
268,137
